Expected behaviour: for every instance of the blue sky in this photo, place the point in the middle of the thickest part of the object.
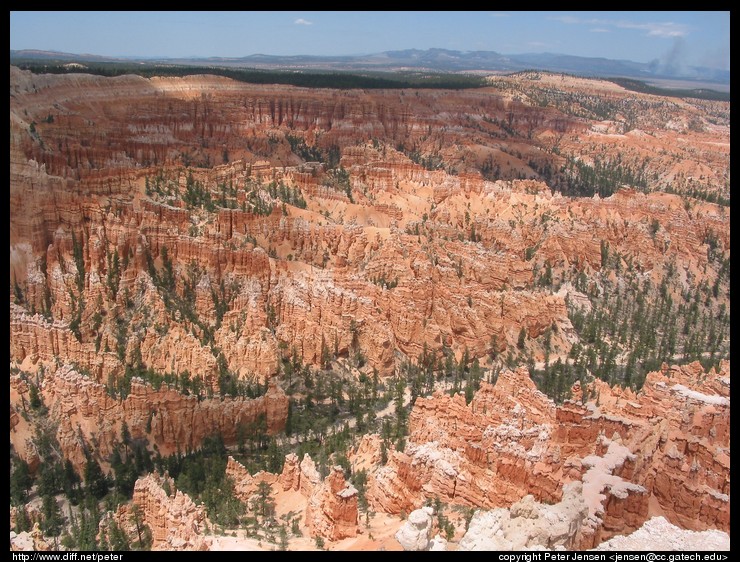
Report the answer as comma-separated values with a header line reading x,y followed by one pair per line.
x,y
683,38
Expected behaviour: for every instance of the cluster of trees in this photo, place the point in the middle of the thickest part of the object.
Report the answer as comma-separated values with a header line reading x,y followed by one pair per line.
x,y
258,203
381,281
231,385
202,475
88,495
489,169
703,192
645,88
329,156
305,152
338,179
47,299
339,80
113,274
443,523
164,187
77,299
198,196
286,194
320,398
428,162
182,307
183,381
581,104
604,177
433,366
633,325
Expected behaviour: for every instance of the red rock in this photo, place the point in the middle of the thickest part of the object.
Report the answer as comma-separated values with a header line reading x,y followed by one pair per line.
x,y
176,523
332,508
511,441
164,417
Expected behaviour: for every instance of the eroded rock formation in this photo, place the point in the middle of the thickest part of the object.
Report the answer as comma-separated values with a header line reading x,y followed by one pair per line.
x,y
87,413
332,508
415,533
265,284
176,523
29,540
529,525
511,441
130,251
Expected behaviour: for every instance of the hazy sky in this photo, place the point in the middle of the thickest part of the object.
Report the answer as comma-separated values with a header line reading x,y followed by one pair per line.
x,y
693,38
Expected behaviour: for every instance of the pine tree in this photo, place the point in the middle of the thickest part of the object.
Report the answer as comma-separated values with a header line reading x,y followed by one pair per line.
x,y
325,354
522,337
283,533
53,520
20,482
95,481
265,504
22,521
137,520
34,396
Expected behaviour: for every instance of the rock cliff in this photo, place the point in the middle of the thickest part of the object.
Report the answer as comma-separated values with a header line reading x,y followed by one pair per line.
x,y
87,414
331,508
176,523
511,441
529,525
424,257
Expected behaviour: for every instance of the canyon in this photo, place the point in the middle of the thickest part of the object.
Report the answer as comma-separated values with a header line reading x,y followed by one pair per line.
x,y
197,257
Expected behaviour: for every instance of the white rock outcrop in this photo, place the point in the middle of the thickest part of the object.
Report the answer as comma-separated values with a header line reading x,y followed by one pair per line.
x,y
659,534
438,543
414,534
529,525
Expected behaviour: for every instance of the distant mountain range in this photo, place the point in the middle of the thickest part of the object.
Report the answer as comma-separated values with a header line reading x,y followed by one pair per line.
x,y
430,60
